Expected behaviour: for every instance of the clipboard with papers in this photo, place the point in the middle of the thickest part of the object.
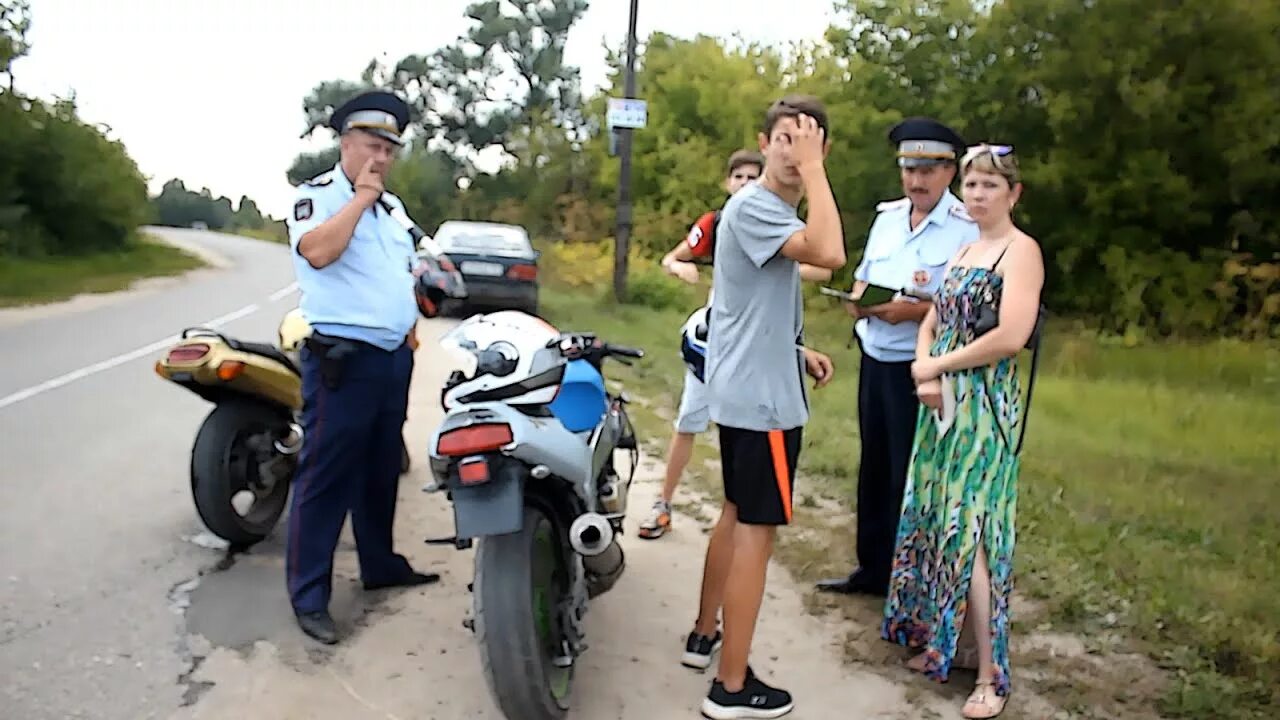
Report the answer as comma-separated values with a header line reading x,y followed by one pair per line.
x,y
874,295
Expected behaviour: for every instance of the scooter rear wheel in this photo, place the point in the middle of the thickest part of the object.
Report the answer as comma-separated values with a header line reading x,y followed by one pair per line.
x,y
226,463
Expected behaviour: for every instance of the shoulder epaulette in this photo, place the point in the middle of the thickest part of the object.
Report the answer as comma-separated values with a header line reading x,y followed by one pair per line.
x,y
893,204
958,210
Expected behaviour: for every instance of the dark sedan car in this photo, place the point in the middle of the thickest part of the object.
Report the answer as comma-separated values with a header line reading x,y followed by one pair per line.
x,y
496,260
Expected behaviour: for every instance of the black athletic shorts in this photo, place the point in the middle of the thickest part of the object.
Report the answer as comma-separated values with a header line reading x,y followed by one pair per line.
x,y
759,472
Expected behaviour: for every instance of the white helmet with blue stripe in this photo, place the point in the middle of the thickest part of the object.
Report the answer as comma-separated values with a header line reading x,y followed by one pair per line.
x,y
693,342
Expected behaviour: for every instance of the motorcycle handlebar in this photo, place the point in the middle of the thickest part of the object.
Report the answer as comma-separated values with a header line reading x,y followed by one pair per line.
x,y
624,351
577,345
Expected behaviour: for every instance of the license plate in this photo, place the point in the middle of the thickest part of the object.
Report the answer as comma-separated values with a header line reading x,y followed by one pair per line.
x,y
471,267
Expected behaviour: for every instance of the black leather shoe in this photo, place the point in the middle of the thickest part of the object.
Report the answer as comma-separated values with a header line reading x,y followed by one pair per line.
x,y
413,578
319,626
858,582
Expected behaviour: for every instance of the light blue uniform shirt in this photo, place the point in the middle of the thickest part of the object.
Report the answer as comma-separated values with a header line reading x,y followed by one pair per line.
x,y
367,293
899,257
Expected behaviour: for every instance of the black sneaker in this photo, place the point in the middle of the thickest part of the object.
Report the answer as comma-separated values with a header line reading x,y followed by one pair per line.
x,y
754,700
699,648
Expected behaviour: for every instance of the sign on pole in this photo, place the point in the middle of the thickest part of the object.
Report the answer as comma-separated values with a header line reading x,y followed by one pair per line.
x,y
627,113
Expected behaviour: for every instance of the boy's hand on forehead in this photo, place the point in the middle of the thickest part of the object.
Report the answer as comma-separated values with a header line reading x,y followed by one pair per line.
x,y
807,142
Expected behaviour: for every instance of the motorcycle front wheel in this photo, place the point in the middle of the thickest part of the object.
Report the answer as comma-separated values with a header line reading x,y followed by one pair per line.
x,y
520,579
227,472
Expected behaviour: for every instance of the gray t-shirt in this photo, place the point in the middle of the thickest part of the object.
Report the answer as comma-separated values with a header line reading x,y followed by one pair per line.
x,y
755,368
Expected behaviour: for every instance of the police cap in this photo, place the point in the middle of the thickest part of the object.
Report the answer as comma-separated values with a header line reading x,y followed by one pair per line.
x,y
924,141
379,112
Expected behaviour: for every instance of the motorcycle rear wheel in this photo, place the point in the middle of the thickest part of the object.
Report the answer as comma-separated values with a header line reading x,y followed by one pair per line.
x,y
223,464
519,581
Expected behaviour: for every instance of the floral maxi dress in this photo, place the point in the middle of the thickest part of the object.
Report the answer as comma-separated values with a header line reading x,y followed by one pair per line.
x,y
961,491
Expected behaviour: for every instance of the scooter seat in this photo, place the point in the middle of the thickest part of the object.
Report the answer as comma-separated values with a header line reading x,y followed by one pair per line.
x,y
265,350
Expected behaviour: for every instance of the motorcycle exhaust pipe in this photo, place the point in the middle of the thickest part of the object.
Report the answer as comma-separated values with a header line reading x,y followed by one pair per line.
x,y
592,537
590,534
603,570
291,443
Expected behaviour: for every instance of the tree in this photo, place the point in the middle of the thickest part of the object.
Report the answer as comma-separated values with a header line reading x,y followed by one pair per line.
x,y
247,214
462,94
64,187
309,165
177,206
15,22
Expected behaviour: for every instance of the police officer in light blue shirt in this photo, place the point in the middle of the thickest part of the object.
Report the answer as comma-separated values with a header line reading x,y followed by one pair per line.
x,y
909,245
354,264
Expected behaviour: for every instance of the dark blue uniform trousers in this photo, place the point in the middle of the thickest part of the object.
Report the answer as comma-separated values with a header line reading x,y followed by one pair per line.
x,y
887,411
350,462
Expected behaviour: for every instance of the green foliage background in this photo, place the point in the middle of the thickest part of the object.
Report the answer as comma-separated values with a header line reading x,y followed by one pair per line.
x,y
1147,132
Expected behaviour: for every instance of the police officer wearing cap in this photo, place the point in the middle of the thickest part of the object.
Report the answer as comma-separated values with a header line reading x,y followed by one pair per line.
x,y
354,266
908,247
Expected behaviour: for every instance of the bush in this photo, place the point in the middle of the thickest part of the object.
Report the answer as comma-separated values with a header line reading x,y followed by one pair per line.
x,y
577,264
65,189
581,265
1169,293
649,286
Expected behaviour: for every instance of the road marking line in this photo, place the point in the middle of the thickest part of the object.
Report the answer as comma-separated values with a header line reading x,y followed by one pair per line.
x,y
109,363
283,292
231,316
83,373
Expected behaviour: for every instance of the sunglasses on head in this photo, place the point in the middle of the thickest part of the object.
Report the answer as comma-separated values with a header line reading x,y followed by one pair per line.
x,y
999,150
996,152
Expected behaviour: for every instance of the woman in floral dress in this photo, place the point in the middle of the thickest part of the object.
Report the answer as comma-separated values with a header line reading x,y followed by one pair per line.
x,y
954,558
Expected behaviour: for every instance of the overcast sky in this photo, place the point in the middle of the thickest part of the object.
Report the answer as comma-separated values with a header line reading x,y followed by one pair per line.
x,y
211,90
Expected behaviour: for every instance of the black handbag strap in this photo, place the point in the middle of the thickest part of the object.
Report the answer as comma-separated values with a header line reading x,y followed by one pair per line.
x,y
1031,382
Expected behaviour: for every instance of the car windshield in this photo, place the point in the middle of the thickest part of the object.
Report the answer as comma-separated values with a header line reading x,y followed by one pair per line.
x,y
483,240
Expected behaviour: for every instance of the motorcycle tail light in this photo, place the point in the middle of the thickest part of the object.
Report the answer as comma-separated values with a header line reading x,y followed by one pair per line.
x,y
187,353
473,471
473,439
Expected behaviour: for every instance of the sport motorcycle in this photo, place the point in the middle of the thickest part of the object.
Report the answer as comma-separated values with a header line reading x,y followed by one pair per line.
x,y
525,453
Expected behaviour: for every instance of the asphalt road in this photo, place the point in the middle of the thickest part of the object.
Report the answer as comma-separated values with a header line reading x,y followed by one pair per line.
x,y
97,516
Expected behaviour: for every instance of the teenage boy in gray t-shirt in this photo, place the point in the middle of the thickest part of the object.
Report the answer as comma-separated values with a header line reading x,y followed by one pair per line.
x,y
756,363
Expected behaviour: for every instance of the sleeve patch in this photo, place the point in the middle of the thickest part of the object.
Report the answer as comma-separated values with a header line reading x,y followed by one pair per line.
x,y
302,210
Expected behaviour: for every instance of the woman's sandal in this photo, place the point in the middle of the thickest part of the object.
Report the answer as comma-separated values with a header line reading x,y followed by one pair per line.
x,y
987,702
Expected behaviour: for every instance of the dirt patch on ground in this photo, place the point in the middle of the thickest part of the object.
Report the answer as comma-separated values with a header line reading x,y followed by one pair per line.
x,y
1056,675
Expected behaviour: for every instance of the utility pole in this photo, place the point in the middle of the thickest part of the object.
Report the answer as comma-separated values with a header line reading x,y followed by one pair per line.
x,y
622,235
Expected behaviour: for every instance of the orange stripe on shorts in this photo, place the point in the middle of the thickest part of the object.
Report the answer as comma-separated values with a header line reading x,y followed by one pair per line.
x,y
778,451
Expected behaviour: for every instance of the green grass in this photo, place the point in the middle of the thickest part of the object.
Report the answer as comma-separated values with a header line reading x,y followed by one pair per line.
x,y
31,281
1148,499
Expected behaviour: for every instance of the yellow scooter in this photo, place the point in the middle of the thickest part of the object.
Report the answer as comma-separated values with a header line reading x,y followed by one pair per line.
x,y
246,451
